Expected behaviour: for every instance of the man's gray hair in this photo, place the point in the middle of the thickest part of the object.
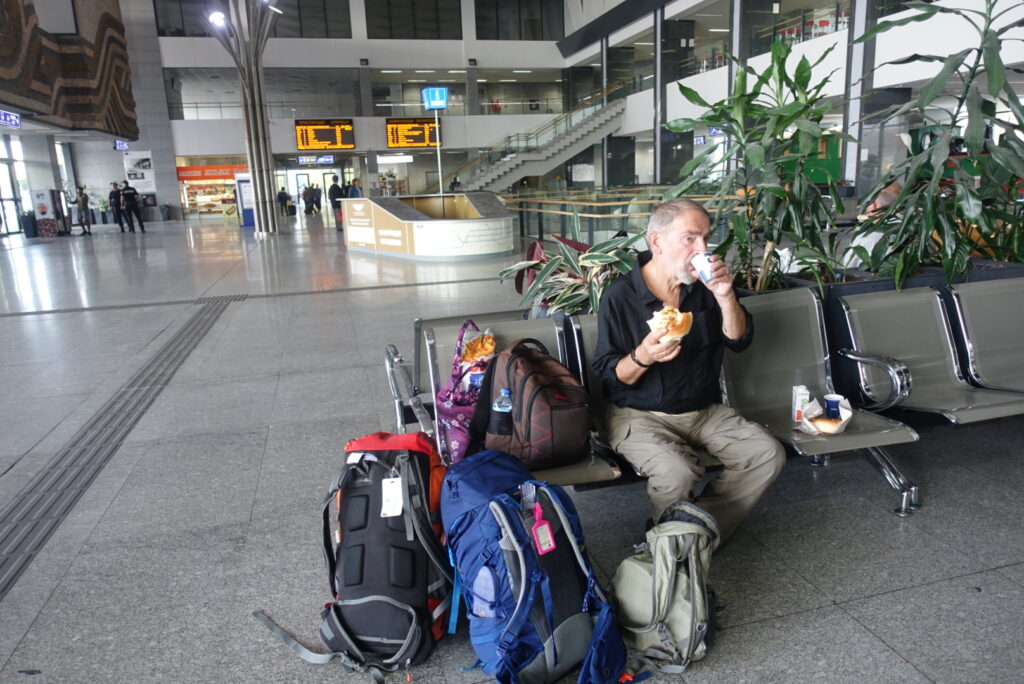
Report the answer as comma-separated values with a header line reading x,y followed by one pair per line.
x,y
664,214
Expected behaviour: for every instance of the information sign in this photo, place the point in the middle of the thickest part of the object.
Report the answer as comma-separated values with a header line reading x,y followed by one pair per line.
x,y
435,98
325,134
10,119
411,133
715,131
121,145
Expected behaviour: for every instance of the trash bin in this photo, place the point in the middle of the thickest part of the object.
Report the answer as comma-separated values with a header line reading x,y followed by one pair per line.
x,y
27,220
165,212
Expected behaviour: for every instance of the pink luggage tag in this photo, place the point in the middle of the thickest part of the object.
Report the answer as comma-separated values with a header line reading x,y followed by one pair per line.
x,y
543,537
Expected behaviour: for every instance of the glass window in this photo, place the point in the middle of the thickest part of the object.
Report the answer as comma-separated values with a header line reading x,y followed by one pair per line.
x,y
519,19
407,19
313,16
298,18
168,18
289,23
339,21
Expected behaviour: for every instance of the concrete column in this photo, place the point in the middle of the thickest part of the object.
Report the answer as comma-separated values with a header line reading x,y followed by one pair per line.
x,y
472,92
365,91
151,103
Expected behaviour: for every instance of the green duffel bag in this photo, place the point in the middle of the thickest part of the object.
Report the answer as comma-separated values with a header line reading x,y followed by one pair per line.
x,y
661,594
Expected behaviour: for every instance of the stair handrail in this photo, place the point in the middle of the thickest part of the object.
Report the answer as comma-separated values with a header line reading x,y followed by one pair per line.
x,y
595,98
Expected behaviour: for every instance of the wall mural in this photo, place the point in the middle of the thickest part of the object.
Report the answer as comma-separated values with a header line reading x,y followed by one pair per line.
x,y
70,80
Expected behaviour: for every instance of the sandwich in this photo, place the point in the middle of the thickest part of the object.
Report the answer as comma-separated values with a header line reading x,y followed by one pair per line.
x,y
828,426
676,322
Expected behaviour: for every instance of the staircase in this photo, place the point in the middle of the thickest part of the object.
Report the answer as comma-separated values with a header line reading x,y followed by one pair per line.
x,y
537,152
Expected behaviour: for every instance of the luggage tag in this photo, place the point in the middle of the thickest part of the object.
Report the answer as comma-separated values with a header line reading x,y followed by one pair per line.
x,y
543,537
391,497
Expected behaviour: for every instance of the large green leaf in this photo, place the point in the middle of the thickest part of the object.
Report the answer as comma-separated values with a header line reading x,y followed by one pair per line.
x,y
802,75
1013,102
1008,158
934,87
693,96
689,166
596,259
755,154
809,127
883,26
994,71
967,198
684,125
515,268
975,133
570,258
541,279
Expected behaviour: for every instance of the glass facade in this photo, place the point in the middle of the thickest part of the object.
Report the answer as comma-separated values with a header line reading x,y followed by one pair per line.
x,y
520,20
797,22
411,19
299,18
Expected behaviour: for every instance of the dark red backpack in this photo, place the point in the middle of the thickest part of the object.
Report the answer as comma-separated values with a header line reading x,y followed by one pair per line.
x,y
550,420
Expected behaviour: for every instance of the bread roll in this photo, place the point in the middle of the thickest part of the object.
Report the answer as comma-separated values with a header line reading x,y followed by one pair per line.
x,y
829,426
676,322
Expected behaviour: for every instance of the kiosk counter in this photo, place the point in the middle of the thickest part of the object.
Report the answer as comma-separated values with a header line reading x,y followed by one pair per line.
x,y
426,227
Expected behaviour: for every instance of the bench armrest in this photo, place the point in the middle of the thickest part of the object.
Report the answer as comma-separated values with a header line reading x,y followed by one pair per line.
x,y
403,392
899,377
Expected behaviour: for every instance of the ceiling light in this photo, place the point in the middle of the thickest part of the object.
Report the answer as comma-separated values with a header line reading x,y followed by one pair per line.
x,y
217,18
522,71
643,43
417,80
394,159
447,80
390,71
424,71
481,80
506,80
718,30
274,9
456,71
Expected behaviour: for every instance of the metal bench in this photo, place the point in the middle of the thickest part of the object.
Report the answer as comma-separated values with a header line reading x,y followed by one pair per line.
x,y
789,348
990,323
414,402
912,326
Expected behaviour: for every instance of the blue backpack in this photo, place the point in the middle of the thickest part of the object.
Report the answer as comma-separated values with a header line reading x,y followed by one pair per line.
x,y
535,608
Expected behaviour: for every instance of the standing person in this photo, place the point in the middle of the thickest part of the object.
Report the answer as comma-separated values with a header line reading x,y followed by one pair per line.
x,y
114,197
282,201
334,195
130,205
665,400
317,194
354,191
307,200
84,213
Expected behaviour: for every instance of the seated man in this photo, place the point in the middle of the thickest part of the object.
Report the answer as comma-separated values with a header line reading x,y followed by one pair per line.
x,y
664,397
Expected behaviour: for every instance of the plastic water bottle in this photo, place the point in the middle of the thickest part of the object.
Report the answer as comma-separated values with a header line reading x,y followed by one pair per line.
x,y
503,404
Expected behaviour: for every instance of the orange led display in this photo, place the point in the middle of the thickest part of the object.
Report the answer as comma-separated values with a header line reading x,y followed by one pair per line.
x,y
325,134
412,133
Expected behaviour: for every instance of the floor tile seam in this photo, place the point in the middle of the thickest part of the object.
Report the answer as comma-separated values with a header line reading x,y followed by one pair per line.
x,y
844,602
107,307
883,640
259,480
367,288
49,432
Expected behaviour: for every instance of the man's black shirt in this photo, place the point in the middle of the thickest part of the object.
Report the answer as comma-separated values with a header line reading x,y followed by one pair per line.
x,y
687,383
130,195
114,196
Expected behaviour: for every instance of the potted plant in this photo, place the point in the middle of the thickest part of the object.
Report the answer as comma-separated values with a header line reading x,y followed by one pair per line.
x,y
951,207
572,278
104,208
771,192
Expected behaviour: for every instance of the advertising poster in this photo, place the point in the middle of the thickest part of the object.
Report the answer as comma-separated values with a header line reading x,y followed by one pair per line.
x,y
138,169
46,219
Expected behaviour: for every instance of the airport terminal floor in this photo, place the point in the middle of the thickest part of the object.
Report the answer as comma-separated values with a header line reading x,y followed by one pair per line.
x,y
209,508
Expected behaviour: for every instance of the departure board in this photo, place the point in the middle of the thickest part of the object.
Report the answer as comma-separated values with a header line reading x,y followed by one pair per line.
x,y
412,133
325,134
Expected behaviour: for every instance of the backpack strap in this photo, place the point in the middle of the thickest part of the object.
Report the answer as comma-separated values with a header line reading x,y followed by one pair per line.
x,y
482,411
340,478
415,525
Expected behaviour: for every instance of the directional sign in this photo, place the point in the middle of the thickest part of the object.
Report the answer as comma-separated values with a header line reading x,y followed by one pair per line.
x,y
121,145
10,119
715,131
411,133
435,98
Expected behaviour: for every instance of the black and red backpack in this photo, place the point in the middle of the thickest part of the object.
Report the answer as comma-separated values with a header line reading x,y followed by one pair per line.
x,y
390,578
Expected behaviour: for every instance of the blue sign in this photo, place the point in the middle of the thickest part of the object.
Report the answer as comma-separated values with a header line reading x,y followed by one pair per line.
x,y
10,119
435,98
698,140
313,159
121,145
715,131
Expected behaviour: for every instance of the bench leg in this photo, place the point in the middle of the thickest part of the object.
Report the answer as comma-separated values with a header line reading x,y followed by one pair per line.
x,y
820,460
883,463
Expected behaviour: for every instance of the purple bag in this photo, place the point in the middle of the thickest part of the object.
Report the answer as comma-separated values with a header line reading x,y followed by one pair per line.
x,y
455,405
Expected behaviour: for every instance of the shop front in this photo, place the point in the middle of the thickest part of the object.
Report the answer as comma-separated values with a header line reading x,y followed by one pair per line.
x,y
209,191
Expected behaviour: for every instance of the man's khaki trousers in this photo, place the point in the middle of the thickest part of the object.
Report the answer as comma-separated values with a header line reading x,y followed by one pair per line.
x,y
662,447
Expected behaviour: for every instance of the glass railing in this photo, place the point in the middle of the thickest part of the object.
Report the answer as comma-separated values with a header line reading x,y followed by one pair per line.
x,y
801,25
706,57
540,137
191,111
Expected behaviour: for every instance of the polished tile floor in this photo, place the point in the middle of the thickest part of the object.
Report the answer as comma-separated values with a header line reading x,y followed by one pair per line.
x,y
209,509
